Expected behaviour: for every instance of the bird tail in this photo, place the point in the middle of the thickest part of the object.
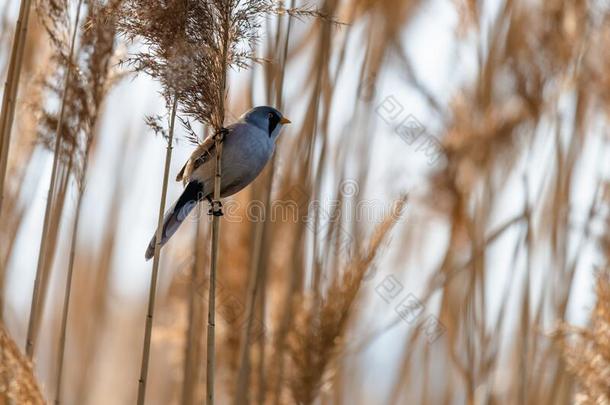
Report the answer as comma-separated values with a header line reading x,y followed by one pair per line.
x,y
192,194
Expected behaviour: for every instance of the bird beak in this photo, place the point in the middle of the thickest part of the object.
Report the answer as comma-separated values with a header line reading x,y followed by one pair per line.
x,y
285,120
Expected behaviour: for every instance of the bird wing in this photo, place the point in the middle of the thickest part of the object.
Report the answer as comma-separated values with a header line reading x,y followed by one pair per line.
x,y
199,156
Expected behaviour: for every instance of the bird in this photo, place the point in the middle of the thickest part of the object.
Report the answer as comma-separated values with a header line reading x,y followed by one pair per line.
x,y
247,147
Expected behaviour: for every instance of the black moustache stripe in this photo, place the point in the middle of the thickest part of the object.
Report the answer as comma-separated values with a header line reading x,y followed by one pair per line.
x,y
274,120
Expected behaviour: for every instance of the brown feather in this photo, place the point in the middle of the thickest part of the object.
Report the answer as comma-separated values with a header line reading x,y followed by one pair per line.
x,y
180,174
197,158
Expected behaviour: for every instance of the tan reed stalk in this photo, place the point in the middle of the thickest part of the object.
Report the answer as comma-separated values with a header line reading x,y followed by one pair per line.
x,y
35,306
192,353
10,90
68,290
12,213
155,270
4,377
254,277
260,256
56,210
90,329
296,280
226,8
262,382
98,46
267,234
210,366
285,323
218,134
188,380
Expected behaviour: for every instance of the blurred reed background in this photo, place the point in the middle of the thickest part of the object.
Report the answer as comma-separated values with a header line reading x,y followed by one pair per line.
x,y
436,225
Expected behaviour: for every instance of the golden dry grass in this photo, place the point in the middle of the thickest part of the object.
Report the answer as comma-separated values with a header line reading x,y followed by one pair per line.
x,y
17,381
588,356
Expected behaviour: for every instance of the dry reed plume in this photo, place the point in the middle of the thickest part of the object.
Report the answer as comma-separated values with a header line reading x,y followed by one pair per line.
x,y
17,381
587,356
91,86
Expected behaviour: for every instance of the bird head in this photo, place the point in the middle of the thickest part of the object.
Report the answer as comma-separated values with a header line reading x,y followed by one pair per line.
x,y
266,118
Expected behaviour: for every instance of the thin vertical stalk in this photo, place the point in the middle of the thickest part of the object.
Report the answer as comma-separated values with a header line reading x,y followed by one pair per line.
x,y
10,89
211,347
194,348
261,246
35,307
254,278
68,290
155,271
88,331
188,382
218,137
262,382
210,363
192,352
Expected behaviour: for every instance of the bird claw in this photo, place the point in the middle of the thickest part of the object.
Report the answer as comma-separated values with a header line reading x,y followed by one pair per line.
x,y
215,209
221,133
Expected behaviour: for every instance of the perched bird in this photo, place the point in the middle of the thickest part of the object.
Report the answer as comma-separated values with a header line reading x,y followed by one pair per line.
x,y
247,146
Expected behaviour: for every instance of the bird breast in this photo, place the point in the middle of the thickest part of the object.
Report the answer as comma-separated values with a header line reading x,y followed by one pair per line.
x,y
245,152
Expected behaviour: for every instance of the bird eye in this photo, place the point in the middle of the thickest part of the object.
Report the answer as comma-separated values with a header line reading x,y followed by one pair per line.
x,y
270,115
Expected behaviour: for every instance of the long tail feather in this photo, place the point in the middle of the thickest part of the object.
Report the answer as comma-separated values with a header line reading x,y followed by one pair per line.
x,y
193,193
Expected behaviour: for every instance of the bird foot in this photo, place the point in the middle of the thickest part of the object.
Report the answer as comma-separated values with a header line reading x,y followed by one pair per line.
x,y
215,208
221,133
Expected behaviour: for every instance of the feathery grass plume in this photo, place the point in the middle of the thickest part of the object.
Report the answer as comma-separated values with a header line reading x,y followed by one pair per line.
x,y
215,36
10,91
587,350
75,121
97,50
317,333
18,384
588,354
57,13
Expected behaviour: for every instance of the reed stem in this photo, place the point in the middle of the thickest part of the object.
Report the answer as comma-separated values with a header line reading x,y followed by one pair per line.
x,y
68,290
218,138
10,89
253,286
35,307
261,247
155,270
193,347
211,345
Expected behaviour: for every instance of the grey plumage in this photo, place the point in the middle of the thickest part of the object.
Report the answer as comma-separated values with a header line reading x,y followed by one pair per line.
x,y
247,147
